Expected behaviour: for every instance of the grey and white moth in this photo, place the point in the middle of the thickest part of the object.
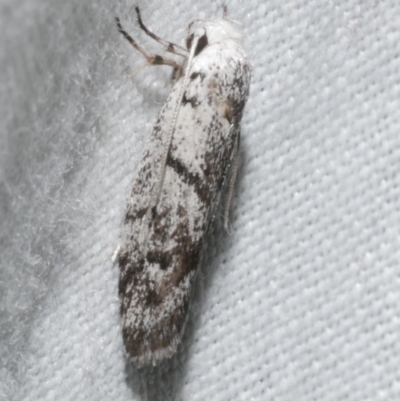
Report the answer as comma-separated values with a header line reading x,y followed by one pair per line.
x,y
192,150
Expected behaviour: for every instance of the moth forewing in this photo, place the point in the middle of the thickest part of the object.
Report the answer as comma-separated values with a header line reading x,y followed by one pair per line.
x,y
178,185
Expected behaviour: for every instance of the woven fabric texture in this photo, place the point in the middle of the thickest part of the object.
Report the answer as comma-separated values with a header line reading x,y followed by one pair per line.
x,y
300,300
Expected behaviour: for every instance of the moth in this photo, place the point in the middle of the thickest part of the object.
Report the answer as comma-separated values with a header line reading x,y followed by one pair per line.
x,y
190,159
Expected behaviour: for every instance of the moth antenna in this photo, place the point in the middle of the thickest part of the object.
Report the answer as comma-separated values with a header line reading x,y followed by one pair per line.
x,y
158,187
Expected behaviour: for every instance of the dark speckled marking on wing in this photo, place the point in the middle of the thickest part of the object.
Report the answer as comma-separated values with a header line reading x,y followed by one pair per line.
x,y
157,272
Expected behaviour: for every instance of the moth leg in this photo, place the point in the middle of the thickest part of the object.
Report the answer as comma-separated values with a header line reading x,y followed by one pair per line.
x,y
169,47
224,11
232,181
116,253
152,59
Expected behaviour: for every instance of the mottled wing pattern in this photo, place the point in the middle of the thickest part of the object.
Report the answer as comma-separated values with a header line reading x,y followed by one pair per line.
x,y
158,269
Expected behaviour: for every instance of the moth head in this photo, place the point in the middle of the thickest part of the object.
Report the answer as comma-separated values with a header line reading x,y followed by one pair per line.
x,y
212,32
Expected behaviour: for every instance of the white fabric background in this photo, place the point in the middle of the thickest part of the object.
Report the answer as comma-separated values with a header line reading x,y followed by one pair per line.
x,y
301,301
